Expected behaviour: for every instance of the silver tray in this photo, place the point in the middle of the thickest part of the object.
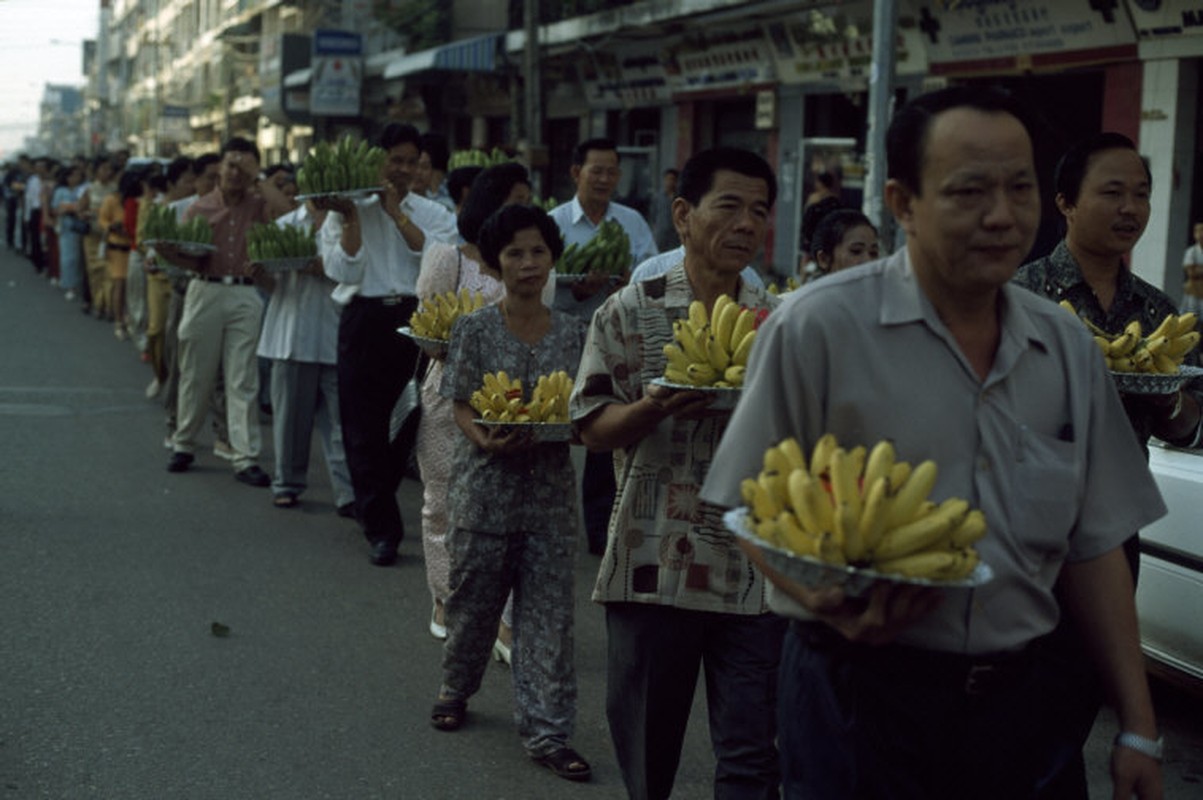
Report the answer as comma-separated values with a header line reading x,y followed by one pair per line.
x,y
1155,382
815,574
351,194
541,431
435,348
286,264
186,248
569,278
724,398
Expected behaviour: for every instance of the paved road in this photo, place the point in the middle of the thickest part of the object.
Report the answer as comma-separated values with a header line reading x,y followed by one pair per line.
x,y
113,572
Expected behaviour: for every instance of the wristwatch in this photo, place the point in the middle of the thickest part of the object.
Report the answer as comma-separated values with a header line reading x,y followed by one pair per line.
x,y
1153,748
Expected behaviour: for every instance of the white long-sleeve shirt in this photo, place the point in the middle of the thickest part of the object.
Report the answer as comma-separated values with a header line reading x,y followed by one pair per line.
x,y
385,265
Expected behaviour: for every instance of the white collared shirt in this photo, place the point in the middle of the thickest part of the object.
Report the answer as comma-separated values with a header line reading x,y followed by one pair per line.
x,y
385,265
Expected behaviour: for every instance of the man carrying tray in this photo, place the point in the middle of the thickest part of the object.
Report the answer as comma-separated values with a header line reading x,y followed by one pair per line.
x,y
678,592
914,691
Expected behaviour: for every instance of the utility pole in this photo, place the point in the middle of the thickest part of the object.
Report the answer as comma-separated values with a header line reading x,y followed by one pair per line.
x,y
532,84
881,101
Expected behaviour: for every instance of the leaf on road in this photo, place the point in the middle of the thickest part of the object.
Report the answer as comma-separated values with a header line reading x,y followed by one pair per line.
x,y
219,630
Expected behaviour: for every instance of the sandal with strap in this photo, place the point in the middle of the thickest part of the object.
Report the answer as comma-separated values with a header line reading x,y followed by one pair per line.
x,y
448,713
567,764
286,500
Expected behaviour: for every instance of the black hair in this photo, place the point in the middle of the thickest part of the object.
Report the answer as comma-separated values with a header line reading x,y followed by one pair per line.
x,y
282,166
237,144
459,180
906,139
61,174
499,230
177,168
130,185
201,163
1071,169
834,227
697,176
435,146
396,133
814,214
490,189
581,152
158,182
676,173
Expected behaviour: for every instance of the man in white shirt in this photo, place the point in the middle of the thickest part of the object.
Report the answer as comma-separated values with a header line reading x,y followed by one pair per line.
x,y
373,248
595,172
33,212
656,266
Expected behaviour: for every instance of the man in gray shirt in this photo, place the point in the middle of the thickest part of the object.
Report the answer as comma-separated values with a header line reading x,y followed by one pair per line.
x,y
915,691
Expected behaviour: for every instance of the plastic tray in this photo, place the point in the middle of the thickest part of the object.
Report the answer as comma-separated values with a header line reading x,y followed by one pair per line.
x,y
186,248
1155,382
435,348
815,574
724,398
351,194
542,431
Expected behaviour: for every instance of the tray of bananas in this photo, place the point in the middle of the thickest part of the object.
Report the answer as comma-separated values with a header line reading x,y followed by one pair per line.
x,y
1150,363
435,348
709,352
849,519
430,325
608,251
185,248
345,169
500,403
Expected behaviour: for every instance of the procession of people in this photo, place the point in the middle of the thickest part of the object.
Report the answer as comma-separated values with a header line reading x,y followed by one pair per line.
x,y
952,346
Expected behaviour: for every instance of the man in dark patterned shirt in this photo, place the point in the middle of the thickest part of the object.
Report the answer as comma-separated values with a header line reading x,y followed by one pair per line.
x,y
1102,189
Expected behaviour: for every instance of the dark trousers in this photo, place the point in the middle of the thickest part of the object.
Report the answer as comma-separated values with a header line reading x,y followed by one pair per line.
x,y
860,722
374,364
597,498
1073,695
653,657
34,237
11,213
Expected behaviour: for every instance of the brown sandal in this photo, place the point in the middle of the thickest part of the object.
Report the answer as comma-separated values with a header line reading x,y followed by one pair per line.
x,y
567,764
448,714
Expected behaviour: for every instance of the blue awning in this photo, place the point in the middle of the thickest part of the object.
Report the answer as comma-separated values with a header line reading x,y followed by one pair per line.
x,y
478,54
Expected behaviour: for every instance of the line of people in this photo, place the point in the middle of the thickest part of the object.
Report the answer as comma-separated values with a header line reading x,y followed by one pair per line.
x,y
909,692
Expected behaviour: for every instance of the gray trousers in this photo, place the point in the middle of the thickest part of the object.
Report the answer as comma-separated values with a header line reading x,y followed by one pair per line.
x,y
485,567
305,395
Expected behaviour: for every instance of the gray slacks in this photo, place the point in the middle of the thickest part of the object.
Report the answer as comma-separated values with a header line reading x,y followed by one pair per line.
x,y
304,395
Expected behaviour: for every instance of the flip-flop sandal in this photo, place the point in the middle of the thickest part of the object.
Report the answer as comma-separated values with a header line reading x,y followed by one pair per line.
x,y
286,501
448,715
567,764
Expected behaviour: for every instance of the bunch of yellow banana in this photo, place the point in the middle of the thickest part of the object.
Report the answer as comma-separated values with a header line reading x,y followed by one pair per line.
x,y
1162,351
711,349
499,399
867,510
549,398
791,283
434,318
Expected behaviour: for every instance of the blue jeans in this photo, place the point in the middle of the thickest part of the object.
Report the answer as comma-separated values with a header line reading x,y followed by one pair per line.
x,y
653,656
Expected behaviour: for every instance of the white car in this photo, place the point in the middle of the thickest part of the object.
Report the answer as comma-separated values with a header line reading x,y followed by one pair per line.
x,y
1169,596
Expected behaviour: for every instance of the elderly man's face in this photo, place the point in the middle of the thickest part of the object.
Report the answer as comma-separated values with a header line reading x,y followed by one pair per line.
x,y
597,178
976,215
727,227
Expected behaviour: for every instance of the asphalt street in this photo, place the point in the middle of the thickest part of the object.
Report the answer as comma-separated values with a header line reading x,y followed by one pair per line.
x,y
113,574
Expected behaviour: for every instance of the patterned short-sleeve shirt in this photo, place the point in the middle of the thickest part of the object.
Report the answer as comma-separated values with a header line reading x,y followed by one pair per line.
x,y
665,546
533,491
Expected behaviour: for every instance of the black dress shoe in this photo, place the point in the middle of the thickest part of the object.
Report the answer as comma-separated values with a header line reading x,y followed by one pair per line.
x,y
253,476
347,510
384,554
180,462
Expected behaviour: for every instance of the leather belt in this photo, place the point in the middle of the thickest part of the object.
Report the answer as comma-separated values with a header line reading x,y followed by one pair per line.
x,y
228,280
386,300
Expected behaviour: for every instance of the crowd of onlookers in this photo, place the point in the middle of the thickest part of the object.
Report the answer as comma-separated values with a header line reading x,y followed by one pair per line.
x,y
939,347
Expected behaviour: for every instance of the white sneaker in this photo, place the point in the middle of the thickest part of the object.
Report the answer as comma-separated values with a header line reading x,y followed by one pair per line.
x,y
153,389
501,652
223,450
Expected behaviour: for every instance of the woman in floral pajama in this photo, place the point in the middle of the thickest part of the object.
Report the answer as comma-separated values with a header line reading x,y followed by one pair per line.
x,y
513,502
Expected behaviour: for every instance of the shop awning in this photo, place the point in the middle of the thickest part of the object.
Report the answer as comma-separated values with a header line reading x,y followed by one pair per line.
x,y
478,54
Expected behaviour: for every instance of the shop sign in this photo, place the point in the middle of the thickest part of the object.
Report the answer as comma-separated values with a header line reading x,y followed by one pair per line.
x,y
700,64
766,109
175,124
837,45
978,30
1159,19
337,78
630,77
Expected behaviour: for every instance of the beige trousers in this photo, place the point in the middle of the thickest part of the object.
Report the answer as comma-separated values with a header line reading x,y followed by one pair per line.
x,y
219,329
